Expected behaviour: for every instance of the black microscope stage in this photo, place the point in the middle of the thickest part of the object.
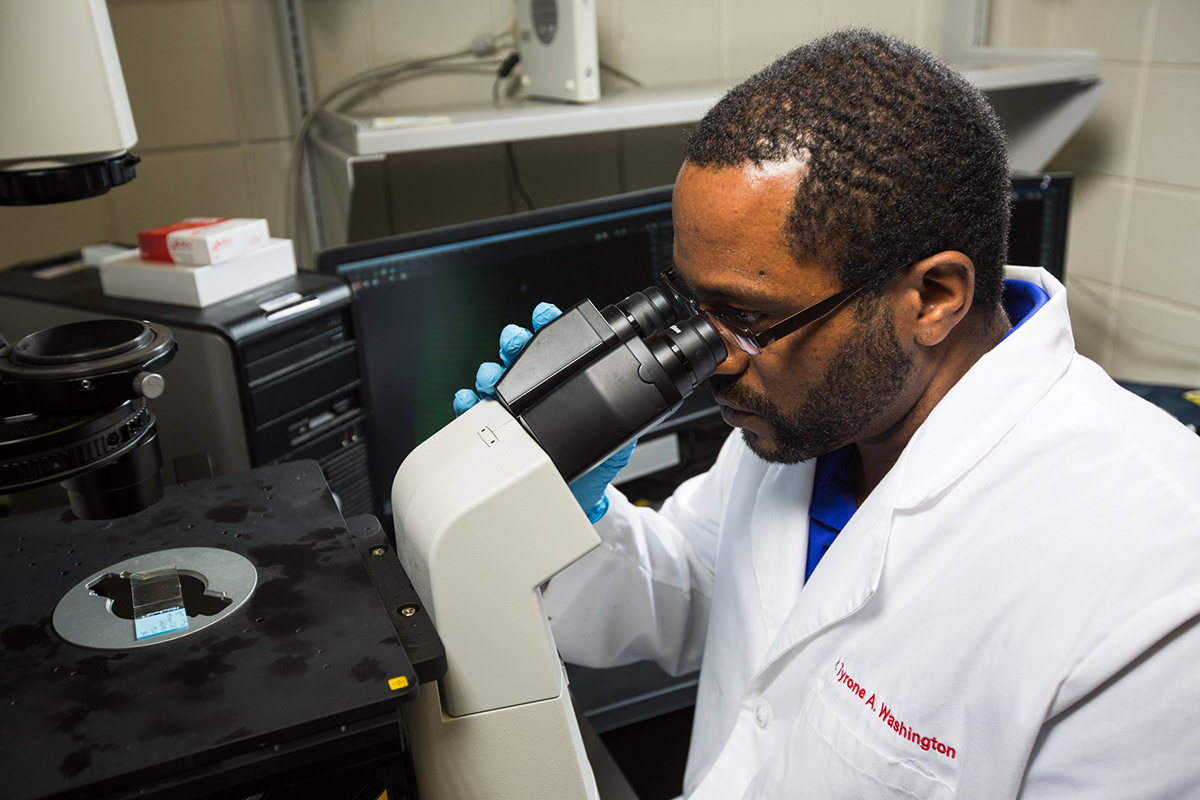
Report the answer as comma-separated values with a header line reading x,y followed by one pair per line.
x,y
309,666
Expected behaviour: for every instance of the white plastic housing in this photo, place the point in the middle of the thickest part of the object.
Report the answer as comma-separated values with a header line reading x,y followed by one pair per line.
x,y
483,519
61,83
567,67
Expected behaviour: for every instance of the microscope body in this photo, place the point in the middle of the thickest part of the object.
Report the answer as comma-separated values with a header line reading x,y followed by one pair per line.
x,y
483,519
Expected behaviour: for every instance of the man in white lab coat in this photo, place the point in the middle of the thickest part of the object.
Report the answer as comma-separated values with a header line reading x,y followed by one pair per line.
x,y
947,556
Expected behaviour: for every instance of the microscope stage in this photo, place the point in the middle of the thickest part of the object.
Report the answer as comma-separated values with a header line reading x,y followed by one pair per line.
x,y
308,659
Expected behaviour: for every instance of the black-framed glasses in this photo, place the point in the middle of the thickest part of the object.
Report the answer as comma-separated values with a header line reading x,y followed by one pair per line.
x,y
749,341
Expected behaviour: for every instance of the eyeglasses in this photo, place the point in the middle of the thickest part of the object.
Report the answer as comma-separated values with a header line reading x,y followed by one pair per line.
x,y
746,339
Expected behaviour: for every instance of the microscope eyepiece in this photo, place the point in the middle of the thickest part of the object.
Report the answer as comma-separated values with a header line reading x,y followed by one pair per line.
x,y
689,351
646,313
591,381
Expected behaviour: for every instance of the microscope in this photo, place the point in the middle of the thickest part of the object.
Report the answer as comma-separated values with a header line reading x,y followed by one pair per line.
x,y
303,643
223,636
67,126
484,518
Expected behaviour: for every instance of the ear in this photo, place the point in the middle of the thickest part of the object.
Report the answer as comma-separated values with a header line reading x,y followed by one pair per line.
x,y
939,291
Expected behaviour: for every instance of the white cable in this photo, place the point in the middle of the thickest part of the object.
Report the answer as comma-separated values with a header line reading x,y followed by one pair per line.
x,y
298,150
480,47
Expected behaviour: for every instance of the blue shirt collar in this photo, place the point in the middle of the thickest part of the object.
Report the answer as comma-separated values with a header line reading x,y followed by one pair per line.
x,y
1021,301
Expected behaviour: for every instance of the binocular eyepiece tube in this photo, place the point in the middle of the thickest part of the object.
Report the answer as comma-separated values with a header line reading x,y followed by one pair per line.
x,y
593,380
646,313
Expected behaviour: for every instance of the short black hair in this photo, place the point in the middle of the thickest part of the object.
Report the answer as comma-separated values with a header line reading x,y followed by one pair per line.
x,y
905,157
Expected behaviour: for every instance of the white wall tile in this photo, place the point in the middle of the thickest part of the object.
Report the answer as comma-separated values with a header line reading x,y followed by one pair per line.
x,y
607,22
897,17
170,186
1097,225
176,65
268,164
35,232
1163,253
504,14
381,32
930,23
760,31
263,93
1177,34
401,31
339,44
1021,23
1156,342
1092,307
1106,141
1170,125
1117,28
668,41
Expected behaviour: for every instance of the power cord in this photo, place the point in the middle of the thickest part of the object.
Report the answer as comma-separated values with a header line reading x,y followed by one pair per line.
x,y
503,74
479,48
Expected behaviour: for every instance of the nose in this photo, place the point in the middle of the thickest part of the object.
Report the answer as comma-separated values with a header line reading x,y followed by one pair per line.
x,y
736,359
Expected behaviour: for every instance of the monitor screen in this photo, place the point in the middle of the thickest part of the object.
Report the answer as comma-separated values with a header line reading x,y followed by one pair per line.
x,y
431,304
1041,203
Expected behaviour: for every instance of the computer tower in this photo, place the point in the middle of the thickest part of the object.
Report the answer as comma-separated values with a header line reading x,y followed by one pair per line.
x,y
272,375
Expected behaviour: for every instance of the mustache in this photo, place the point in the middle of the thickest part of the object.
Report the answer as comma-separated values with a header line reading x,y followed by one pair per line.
x,y
726,387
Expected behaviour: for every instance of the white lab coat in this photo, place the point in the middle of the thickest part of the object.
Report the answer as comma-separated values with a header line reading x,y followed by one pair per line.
x,y
1011,613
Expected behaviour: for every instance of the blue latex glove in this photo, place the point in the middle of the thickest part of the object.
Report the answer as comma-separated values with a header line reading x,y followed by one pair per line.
x,y
588,489
512,341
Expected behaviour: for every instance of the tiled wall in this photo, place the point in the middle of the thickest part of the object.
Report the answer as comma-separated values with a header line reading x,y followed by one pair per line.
x,y
215,120
661,42
205,80
1134,253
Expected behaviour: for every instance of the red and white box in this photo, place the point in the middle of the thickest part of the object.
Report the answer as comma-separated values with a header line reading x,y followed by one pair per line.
x,y
196,285
203,240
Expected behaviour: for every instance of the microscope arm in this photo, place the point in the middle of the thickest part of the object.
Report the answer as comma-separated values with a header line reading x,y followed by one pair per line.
x,y
483,519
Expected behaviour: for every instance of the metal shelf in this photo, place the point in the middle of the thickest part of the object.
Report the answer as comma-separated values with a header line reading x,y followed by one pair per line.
x,y
1042,97
460,126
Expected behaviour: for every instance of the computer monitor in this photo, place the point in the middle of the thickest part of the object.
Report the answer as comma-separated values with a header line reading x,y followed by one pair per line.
x,y
1041,204
431,304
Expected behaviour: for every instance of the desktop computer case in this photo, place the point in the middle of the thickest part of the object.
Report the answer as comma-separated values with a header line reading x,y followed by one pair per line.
x,y
272,375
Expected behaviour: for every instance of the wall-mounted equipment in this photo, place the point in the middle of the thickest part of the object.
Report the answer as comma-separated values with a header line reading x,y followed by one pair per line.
x,y
559,55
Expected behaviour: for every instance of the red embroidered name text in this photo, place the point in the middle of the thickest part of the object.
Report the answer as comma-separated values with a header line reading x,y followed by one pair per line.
x,y
888,716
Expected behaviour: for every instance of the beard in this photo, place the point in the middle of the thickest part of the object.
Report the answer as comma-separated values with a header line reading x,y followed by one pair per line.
x,y
860,384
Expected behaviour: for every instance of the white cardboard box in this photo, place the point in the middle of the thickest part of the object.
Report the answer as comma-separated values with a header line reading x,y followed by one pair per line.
x,y
127,275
